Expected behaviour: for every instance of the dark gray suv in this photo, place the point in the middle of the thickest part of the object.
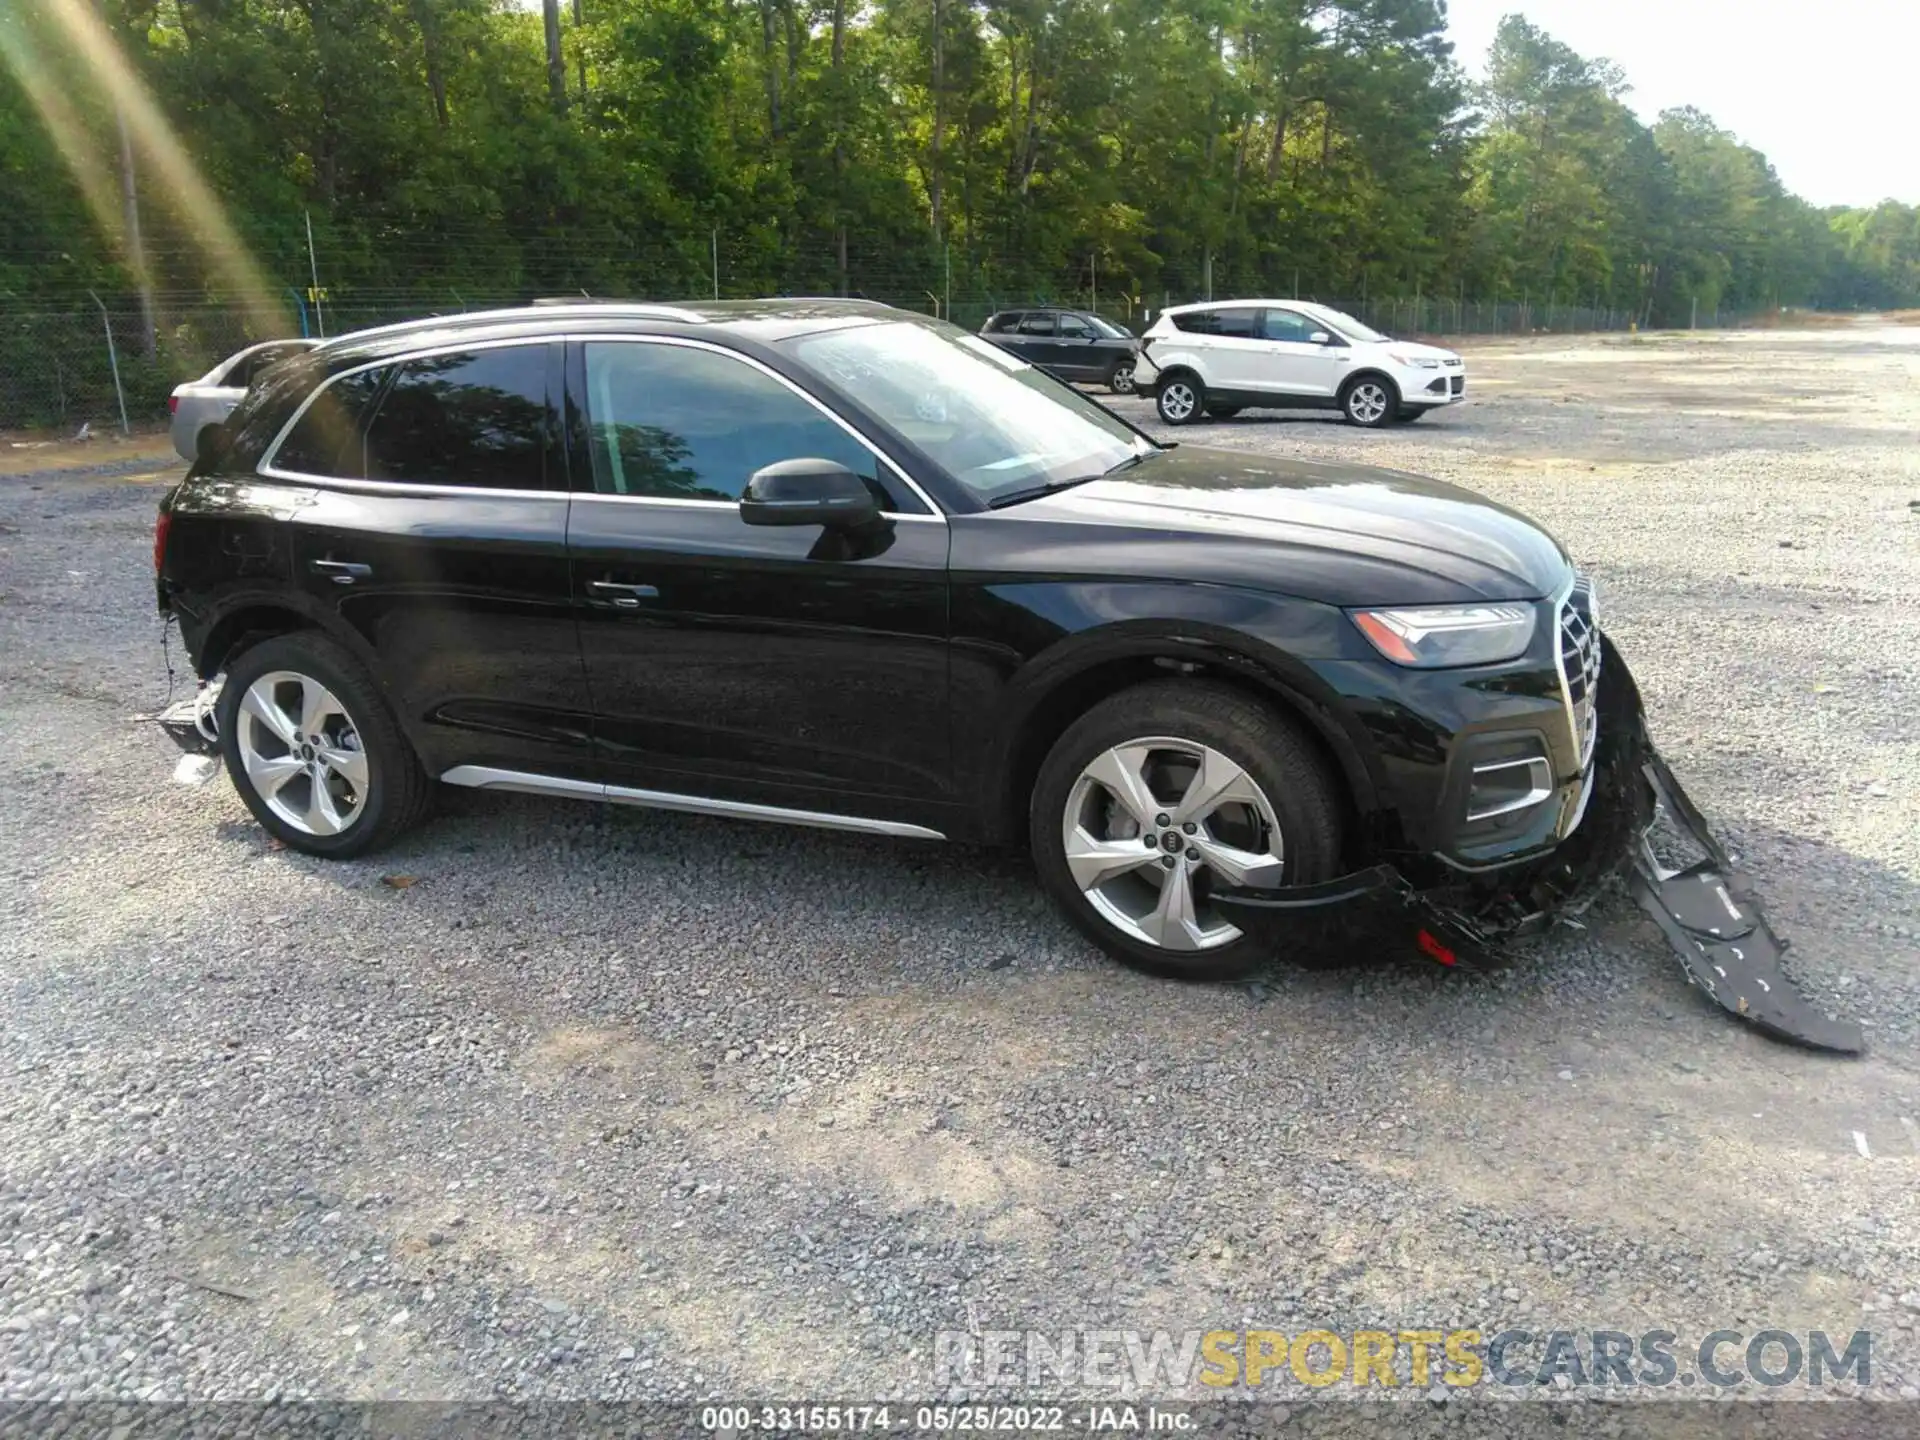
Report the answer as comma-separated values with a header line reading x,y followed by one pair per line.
x,y
1072,344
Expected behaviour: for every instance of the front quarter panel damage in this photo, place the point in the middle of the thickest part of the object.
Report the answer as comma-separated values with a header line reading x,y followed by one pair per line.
x,y
1706,908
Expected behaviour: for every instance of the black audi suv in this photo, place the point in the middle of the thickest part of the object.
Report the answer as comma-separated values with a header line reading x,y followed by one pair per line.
x,y
834,564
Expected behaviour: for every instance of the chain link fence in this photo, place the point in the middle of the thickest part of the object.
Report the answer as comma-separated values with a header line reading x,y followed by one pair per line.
x,y
64,367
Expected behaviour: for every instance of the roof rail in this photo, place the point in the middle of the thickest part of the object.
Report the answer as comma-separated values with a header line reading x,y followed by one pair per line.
x,y
469,319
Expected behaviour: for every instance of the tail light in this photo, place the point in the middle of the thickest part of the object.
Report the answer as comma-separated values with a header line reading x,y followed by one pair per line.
x,y
173,404
160,528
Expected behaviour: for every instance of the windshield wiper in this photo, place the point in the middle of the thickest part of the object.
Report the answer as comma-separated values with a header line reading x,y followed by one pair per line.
x,y
1034,492
1054,487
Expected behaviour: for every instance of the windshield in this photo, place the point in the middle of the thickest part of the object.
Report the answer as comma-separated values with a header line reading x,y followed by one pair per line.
x,y
1350,327
1109,329
992,421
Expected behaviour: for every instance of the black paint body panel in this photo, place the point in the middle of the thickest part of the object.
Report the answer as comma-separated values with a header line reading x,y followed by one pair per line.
x,y
783,666
902,674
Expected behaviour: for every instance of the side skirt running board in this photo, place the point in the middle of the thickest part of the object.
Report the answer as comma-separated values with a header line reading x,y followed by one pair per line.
x,y
484,777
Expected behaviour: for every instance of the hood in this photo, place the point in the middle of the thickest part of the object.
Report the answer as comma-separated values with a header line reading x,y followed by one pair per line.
x,y
1420,352
1344,534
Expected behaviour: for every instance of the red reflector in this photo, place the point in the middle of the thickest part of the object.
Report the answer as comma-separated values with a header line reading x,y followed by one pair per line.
x,y
173,404
160,528
1429,945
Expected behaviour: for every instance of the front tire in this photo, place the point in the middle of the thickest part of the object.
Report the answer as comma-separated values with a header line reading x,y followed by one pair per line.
x,y
1162,792
1120,377
1370,401
1181,399
314,751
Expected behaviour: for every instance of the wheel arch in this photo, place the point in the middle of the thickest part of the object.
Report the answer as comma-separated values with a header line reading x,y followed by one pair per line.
x,y
1371,373
1048,709
245,620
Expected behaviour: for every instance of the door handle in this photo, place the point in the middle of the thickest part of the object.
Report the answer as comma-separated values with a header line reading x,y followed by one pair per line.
x,y
341,572
627,597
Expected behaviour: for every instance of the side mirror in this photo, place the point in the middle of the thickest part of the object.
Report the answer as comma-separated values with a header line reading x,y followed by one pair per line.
x,y
1320,337
808,492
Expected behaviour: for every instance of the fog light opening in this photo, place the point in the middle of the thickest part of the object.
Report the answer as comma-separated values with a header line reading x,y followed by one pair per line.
x,y
1506,787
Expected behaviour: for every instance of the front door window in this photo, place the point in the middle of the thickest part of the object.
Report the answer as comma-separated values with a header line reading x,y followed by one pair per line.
x,y
679,423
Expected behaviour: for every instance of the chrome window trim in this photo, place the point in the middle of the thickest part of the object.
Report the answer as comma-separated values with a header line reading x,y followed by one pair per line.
x,y
682,503
688,343
267,468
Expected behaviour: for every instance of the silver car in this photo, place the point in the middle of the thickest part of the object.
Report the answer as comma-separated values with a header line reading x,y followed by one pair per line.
x,y
197,404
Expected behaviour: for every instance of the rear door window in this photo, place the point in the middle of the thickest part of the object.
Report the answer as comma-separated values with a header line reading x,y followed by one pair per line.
x,y
478,419
1037,325
1239,324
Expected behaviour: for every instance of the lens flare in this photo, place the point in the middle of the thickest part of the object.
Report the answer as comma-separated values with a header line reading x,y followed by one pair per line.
x,y
35,73
94,55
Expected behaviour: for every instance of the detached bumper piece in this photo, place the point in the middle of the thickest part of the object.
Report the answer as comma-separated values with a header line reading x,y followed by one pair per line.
x,y
189,723
1711,918
1706,909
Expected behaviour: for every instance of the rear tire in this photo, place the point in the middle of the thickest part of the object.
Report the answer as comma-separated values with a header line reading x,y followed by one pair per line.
x,y
1180,783
314,751
1181,399
1370,401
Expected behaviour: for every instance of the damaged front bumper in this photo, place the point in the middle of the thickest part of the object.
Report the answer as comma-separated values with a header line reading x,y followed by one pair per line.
x,y
1706,909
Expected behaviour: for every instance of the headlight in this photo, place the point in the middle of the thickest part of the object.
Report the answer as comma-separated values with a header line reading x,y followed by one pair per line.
x,y
1416,362
1432,637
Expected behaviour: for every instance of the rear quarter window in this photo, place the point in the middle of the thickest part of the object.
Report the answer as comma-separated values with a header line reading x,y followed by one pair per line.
x,y
327,439
264,409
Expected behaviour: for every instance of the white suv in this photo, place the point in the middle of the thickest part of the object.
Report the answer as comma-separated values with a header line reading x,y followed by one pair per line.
x,y
1220,358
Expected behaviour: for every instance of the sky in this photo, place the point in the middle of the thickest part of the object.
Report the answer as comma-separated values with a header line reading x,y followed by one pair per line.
x,y
1828,91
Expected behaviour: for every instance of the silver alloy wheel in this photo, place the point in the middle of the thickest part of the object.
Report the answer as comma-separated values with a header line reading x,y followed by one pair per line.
x,y
302,752
1178,400
1367,401
1153,824
1122,381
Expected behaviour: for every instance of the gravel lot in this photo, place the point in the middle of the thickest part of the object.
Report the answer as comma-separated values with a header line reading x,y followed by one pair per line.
x,y
617,1104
